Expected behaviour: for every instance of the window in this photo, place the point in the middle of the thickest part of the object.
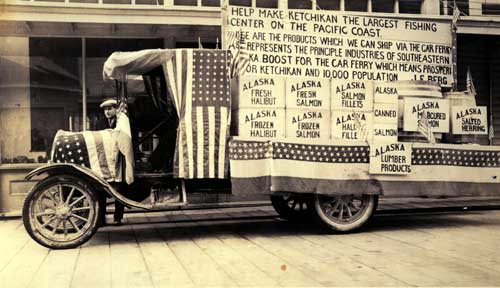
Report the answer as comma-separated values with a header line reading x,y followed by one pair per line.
x,y
328,4
241,2
356,5
491,9
410,6
186,2
383,6
300,4
210,3
267,3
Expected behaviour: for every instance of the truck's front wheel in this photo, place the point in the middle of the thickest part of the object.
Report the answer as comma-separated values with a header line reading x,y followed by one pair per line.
x,y
345,213
61,212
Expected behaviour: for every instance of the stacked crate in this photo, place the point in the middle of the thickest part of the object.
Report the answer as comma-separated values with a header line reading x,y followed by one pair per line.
x,y
307,109
258,107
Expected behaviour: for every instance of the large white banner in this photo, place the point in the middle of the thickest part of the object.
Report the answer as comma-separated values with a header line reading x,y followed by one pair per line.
x,y
337,45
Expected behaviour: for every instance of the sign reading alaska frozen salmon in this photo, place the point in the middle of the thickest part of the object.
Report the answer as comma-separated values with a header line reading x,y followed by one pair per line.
x,y
309,94
341,46
308,124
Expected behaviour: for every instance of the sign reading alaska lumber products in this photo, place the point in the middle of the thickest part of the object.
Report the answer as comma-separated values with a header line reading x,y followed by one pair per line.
x,y
390,158
332,44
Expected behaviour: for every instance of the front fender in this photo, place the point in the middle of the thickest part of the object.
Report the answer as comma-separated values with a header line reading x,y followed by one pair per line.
x,y
80,171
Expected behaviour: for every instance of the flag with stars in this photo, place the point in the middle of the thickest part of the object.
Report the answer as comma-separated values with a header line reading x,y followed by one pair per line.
x,y
339,167
198,81
96,150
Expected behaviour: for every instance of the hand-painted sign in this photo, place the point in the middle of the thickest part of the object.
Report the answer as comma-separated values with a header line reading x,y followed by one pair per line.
x,y
385,132
385,113
261,123
353,126
307,93
390,158
332,44
307,124
352,95
437,112
469,120
385,92
259,92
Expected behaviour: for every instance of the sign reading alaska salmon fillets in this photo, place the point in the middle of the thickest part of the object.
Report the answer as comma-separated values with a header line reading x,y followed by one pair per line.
x,y
335,45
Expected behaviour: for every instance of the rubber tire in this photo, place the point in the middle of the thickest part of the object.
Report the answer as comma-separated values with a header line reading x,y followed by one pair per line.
x,y
47,182
327,223
284,211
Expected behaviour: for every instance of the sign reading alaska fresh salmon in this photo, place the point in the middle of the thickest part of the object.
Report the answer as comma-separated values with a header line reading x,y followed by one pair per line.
x,y
335,45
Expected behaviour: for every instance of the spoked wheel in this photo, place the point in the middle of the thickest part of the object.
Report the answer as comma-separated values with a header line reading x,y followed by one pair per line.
x,y
61,212
345,212
292,206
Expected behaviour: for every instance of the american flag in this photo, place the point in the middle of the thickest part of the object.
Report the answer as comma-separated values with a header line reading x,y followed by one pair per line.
x,y
425,128
95,150
123,138
361,127
456,16
198,80
470,85
240,57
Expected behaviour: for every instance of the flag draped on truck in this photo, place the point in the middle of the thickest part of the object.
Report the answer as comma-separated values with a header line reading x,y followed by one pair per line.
x,y
198,81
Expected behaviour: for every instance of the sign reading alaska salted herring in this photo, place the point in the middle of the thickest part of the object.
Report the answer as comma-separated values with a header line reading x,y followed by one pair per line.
x,y
469,120
390,158
335,45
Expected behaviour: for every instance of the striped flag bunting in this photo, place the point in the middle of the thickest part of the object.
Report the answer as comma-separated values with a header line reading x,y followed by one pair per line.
x,y
425,128
240,57
470,85
95,150
123,138
198,80
340,166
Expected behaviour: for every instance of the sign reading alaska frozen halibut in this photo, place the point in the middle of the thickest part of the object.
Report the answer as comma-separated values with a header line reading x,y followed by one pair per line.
x,y
390,158
469,120
334,45
261,123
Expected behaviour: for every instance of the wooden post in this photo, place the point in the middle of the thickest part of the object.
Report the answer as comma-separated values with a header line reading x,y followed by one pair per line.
x,y
84,87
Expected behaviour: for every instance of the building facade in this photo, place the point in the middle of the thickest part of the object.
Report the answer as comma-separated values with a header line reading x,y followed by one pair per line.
x,y
52,53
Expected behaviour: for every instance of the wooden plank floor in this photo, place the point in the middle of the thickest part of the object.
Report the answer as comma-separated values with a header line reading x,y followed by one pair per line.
x,y
243,247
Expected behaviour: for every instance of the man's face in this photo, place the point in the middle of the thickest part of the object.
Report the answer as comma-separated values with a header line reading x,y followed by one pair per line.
x,y
110,111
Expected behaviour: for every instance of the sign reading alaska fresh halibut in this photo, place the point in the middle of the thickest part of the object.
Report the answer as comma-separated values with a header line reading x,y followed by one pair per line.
x,y
390,158
260,91
469,120
307,93
335,45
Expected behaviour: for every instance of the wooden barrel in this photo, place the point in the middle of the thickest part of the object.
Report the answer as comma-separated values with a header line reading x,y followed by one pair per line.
x,y
420,89
460,99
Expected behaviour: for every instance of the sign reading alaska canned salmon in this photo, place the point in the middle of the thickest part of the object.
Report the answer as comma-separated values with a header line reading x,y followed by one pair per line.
x,y
352,95
437,112
259,92
336,45
390,158
469,120
385,92
307,93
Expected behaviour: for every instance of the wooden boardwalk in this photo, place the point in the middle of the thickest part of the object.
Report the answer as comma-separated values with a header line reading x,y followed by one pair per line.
x,y
251,247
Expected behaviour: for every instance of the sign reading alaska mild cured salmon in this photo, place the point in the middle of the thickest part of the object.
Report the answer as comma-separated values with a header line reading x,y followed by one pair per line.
x,y
335,45
437,112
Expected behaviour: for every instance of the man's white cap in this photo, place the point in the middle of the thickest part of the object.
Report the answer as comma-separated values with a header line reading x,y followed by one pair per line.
x,y
108,102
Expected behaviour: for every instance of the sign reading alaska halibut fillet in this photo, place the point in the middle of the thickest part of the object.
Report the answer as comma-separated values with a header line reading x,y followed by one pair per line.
x,y
390,158
345,126
469,120
330,44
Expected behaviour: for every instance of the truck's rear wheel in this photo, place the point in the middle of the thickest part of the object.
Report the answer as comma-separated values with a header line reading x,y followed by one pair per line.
x,y
292,206
61,212
345,212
